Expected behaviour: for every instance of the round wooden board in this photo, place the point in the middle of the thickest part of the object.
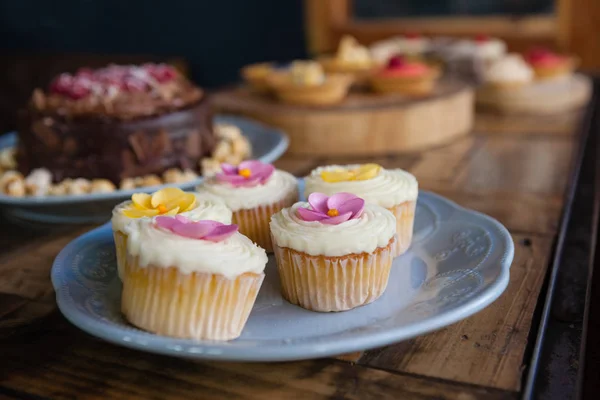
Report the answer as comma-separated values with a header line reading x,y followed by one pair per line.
x,y
365,123
543,98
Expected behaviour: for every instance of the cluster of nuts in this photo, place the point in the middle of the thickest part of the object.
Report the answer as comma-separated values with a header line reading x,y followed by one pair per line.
x,y
232,147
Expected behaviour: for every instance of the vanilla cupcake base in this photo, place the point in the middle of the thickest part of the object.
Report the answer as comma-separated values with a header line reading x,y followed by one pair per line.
x,y
405,220
321,283
121,251
254,222
198,306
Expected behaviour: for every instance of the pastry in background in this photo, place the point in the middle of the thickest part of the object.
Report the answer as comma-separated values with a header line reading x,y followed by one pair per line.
x,y
393,189
256,76
408,45
168,201
333,253
508,72
114,123
253,191
190,279
306,83
351,58
488,49
547,64
404,76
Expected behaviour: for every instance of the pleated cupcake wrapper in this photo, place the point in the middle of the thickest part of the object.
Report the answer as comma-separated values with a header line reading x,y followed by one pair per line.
x,y
254,222
197,306
405,219
321,283
121,250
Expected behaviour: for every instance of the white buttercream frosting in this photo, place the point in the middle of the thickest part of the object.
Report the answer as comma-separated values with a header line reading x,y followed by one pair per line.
x,y
389,188
278,187
230,258
211,209
491,49
373,229
511,68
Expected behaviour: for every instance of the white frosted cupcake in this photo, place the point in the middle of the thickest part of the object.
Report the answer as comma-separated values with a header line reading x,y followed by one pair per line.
x,y
508,72
168,201
333,253
253,191
393,189
190,279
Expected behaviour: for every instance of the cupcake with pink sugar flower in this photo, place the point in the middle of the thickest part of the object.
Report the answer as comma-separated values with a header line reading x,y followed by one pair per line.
x,y
190,279
333,253
254,191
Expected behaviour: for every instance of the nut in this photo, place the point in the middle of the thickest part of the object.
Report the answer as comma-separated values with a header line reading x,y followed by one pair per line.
x,y
227,131
172,175
210,166
233,159
127,184
222,150
102,186
79,186
38,182
59,189
241,147
7,158
150,180
188,175
12,183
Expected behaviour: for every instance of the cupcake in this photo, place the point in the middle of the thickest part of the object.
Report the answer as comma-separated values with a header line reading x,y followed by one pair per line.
x,y
393,189
190,279
488,49
351,58
508,72
253,191
305,83
547,64
333,253
412,78
168,201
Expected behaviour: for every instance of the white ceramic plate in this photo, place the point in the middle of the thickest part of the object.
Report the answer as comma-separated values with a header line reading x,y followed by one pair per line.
x,y
268,144
457,265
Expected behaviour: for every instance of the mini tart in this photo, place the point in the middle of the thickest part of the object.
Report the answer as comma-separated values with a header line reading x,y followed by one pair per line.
x,y
562,66
190,288
256,76
389,80
212,209
332,91
253,206
351,58
333,267
393,189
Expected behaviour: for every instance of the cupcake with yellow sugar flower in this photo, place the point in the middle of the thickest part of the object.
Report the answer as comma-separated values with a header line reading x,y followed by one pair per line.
x,y
190,279
254,191
351,58
393,189
333,253
167,202
306,83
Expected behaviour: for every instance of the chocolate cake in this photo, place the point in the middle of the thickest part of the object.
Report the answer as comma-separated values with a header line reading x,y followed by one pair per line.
x,y
114,123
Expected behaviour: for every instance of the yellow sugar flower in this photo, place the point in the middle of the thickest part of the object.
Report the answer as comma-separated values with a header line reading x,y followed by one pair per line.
x,y
362,173
168,201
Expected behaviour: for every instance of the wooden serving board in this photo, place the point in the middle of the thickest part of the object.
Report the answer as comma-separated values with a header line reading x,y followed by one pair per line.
x,y
543,98
364,123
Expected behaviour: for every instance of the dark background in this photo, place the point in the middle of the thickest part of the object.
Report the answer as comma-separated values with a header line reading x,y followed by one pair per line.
x,y
216,37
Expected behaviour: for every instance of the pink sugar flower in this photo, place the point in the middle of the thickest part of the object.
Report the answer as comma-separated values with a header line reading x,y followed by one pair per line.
x,y
332,210
205,230
248,173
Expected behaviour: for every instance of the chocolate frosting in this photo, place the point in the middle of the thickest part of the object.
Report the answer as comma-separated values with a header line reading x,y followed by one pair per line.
x,y
100,146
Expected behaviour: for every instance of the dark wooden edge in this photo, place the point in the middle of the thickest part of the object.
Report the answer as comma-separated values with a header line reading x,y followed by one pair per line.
x,y
536,354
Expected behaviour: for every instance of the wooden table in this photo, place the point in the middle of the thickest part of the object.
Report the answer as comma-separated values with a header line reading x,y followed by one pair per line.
x,y
514,169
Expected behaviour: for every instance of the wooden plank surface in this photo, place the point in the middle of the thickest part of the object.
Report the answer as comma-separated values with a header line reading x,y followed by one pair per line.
x,y
518,179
